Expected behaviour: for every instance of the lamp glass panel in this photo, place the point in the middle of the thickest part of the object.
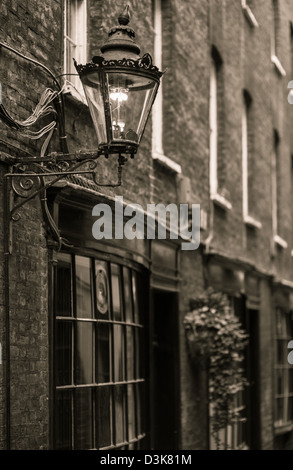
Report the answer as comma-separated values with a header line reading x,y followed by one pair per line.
x,y
131,97
93,89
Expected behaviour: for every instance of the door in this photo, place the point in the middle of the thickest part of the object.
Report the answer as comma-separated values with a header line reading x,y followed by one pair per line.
x,y
165,374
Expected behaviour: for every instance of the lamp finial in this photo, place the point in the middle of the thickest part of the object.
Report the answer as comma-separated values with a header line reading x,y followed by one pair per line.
x,y
124,17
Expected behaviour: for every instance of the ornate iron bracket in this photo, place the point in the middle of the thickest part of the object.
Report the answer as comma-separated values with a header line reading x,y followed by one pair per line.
x,y
31,176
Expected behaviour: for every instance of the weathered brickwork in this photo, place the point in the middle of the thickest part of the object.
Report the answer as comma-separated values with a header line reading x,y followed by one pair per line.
x,y
34,30
246,54
2,329
193,380
29,360
190,30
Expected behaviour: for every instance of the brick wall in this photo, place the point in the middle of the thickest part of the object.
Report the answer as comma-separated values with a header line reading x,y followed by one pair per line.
x,y
266,358
194,405
246,53
33,28
29,356
2,328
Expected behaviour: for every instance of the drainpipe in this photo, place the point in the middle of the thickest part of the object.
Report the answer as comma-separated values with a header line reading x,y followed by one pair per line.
x,y
208,241
6,225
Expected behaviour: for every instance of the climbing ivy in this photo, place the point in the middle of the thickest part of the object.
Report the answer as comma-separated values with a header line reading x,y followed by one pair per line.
x,y
215,337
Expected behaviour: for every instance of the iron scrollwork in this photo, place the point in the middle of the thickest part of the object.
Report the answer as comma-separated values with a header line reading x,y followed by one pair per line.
x,y
145,62
32,176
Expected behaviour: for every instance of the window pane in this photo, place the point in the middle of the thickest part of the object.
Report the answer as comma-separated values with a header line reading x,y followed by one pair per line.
x,y
120,413
242,428
279,410
284,324
104,417
290,409
102,353
288,326
119,353
63,286
279,322
281,352
63,349
279,382
135,297
63,420
116,301
290,330
83,419
138,408
127,296
75,37
84,353
102,290
70,52
131,411
83,287
140,366
291,381
130,352
70,19
229,437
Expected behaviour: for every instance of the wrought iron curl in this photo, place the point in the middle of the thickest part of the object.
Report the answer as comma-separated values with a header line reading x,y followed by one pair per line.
x,y
63,166
92,165
25,185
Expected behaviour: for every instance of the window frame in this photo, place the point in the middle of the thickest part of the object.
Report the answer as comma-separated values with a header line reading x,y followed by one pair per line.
x,y
129,386
276,192
158,153
285,395
247,154
247,7
72,83
275,38
230,436
217,134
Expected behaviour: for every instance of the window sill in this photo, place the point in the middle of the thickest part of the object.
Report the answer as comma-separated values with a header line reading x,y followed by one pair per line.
x,y
167,162
249,15
279,67
286,283
71,91
280,242
221,201
252,222
283,428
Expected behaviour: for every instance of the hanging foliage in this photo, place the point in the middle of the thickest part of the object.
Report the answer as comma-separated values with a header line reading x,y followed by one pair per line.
x,y
215,337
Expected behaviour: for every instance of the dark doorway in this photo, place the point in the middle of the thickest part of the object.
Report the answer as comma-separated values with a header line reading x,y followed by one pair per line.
x,y
250,320
253,378
165,382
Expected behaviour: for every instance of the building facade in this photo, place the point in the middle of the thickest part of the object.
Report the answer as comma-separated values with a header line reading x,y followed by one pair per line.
x,y
93,346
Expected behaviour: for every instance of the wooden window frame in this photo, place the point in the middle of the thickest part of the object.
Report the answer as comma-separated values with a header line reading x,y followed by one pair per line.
x,y
283,337
137,382
75,45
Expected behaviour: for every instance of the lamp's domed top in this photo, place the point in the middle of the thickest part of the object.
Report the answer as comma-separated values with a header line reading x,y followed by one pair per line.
x,y
121,44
